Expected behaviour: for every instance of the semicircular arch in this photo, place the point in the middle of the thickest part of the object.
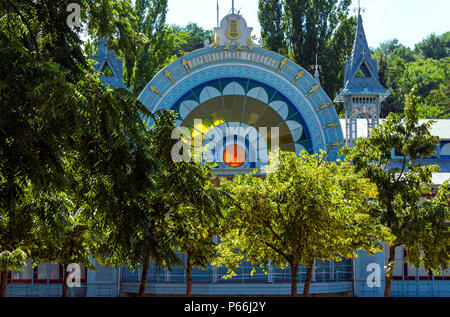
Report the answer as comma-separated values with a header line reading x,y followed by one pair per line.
x,y
303,94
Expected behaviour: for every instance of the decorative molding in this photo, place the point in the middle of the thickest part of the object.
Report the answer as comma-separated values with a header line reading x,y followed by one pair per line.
x,y
260,65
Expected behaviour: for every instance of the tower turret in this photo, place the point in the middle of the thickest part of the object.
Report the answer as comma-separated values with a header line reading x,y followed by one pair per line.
x,y
363,93
110,67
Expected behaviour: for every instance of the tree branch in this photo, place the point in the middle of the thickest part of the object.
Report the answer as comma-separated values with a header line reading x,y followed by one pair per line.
x,y
284,255
33,39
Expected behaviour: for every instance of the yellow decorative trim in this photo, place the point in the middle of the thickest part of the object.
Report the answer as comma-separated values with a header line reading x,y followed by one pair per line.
x,y
239,47
227,46
324,106
156,91
282,65
169,76
250,44
186,65
331,125
216,42
233,32
299,75
334,145
256,61
313,90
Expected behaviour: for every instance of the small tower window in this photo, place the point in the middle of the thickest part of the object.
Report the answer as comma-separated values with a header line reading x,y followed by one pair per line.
x,y
363,71
106,70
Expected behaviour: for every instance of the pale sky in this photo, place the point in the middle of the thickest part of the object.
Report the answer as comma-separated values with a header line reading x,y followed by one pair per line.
x,y
409,21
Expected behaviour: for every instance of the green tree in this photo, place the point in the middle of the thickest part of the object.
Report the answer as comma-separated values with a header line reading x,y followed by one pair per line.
x,y
132,198
432,78
401,188
390,57
302,29
400,68
395,48
160,196
190,38
306,209
434,46
10,261
53,108
270,16
153,54
334,57
194,226
62,237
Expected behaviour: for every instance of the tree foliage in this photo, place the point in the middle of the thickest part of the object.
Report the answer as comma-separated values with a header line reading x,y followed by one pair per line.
x,y
401,187
401,68
306,209
272,32
434,47
190,38
59,125
153,54
302,29
194,224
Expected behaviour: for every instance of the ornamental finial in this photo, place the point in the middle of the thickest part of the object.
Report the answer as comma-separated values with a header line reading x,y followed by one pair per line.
x,y
359,8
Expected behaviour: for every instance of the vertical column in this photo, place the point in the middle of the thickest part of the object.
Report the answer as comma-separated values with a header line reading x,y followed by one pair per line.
x,y
166,275
270,274
347,106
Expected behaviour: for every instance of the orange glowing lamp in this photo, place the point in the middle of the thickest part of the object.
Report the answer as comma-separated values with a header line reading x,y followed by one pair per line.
x,y
234,155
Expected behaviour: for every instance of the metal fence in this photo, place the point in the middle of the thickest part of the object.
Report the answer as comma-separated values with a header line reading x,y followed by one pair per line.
x,y
323,271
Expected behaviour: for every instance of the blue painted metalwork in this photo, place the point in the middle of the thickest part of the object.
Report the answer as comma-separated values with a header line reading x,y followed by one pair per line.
x,y
314,110
107,58
272,69
361,60
363,93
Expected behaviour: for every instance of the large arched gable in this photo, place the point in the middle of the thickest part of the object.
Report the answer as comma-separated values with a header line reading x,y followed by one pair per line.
x,y
292,83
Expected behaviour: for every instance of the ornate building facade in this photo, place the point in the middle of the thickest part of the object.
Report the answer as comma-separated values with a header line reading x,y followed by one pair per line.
x,y
235,85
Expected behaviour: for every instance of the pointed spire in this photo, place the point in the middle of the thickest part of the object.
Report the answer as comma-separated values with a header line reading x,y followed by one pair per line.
x,y
360,45
217,13
316,73
109,65
361,71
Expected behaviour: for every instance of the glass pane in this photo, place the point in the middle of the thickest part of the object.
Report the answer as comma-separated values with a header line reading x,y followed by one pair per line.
x,y
26,273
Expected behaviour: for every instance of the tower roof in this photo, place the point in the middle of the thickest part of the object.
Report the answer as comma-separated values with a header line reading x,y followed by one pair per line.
x,y
110,66
361,72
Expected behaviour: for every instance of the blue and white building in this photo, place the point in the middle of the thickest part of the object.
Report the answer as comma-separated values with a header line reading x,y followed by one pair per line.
x,y
235,83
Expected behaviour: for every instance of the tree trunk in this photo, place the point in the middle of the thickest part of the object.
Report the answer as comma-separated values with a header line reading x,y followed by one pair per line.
x,y
308,278
389,270
144,276
294,271
65,287
3,283
189,277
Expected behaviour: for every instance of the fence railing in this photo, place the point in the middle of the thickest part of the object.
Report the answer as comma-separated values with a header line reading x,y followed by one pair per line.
x,y
322,272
